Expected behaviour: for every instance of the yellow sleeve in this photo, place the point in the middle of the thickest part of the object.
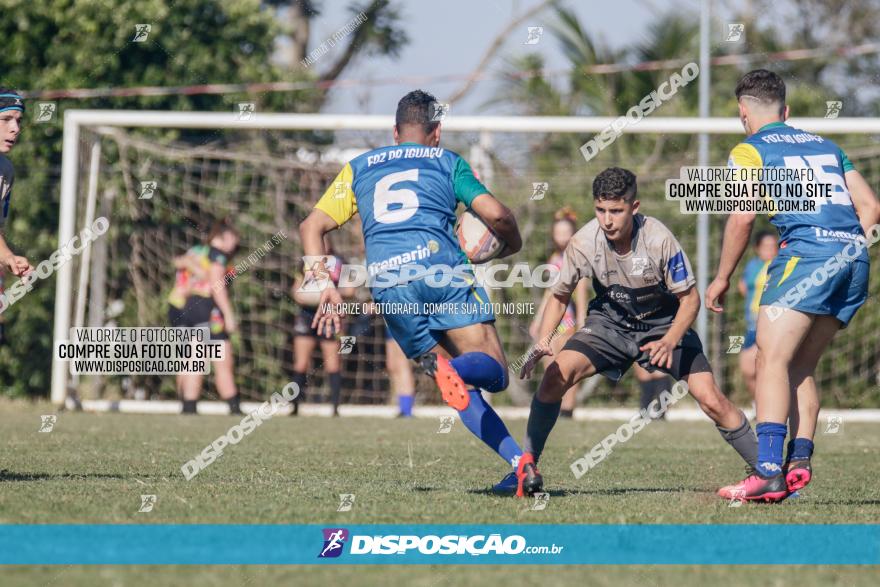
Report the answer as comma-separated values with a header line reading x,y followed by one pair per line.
x,y
338,201
744,155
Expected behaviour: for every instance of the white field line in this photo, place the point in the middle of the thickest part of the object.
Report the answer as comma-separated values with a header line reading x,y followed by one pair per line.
x,y
680,414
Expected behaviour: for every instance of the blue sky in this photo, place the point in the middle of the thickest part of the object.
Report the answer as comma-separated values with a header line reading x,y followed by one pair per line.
x,y
450,37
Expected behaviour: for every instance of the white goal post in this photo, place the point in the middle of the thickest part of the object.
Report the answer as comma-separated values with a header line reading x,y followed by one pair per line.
x,y
76,120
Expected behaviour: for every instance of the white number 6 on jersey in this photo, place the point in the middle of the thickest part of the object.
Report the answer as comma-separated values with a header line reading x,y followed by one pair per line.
x,y
384,196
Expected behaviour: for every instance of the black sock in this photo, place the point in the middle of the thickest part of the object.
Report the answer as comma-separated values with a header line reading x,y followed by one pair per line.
x,y
189,406
335,390
542,418
234,404
300,380
566,414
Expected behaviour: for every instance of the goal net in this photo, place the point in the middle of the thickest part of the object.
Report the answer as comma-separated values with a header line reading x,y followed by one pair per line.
x,y
162,183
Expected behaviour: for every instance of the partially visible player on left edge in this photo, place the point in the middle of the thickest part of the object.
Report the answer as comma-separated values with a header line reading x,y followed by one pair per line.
x,y
11,112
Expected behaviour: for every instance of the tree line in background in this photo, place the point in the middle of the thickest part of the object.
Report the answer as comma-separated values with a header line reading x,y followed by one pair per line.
x,y
62,44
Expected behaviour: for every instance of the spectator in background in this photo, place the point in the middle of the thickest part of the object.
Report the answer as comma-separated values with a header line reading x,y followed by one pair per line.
x,y
563,228
200,299
750,286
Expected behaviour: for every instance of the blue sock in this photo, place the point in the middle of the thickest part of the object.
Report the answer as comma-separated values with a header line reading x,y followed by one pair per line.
x,y
800,449
406,404
771,441
480,370
481,419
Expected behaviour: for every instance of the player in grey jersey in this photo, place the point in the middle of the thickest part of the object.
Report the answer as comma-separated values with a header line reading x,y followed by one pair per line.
x,y
643,310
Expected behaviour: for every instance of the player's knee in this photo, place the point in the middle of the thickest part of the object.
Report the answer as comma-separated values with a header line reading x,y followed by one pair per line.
x,y
496,371
765,360
553,385
482,370
772,356
501,382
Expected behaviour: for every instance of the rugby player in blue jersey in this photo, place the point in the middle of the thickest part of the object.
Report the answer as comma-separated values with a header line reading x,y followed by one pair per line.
x,y
406,195
814,286
11,112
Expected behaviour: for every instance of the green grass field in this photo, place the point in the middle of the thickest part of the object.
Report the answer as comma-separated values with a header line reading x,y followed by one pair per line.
x,y
93,468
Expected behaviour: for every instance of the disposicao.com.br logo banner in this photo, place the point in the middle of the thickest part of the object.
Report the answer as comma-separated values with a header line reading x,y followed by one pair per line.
x,y
496,544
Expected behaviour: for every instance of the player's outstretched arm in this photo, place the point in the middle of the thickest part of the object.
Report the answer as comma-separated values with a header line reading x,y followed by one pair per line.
x,y
554,310
864,200
16,264
312,231
736,239
660,351
500,219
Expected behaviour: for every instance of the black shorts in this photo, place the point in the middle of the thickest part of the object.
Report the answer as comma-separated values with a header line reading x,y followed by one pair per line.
x,y
612,348
199,311
302,324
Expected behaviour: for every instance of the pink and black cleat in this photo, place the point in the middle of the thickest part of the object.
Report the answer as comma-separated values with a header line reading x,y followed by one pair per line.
x,y
452,389
528,479
757,488
798,474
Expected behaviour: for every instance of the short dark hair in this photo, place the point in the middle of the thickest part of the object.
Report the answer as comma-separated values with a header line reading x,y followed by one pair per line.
x,y
761,235
762,84
615,183
417,108
220,227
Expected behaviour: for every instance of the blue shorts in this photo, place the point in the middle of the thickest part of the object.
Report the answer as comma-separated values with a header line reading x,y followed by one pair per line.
x,y
750,339
417,315
812,286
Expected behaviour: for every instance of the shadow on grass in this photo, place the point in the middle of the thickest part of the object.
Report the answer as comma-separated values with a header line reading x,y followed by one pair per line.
x,y
847,502
609,492
7,475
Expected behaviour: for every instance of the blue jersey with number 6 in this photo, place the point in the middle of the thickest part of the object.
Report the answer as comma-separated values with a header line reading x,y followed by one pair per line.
x,y
406,195
836,225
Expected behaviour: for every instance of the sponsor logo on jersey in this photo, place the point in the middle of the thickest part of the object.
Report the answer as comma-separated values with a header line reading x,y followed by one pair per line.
x,y
417,254
823,234
677,268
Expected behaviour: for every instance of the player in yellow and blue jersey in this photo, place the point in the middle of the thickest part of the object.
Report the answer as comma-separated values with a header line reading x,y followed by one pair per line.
x,y
814,286
406,195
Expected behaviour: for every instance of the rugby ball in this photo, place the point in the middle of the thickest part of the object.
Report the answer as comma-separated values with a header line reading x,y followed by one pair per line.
x,y
307,299
477,240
